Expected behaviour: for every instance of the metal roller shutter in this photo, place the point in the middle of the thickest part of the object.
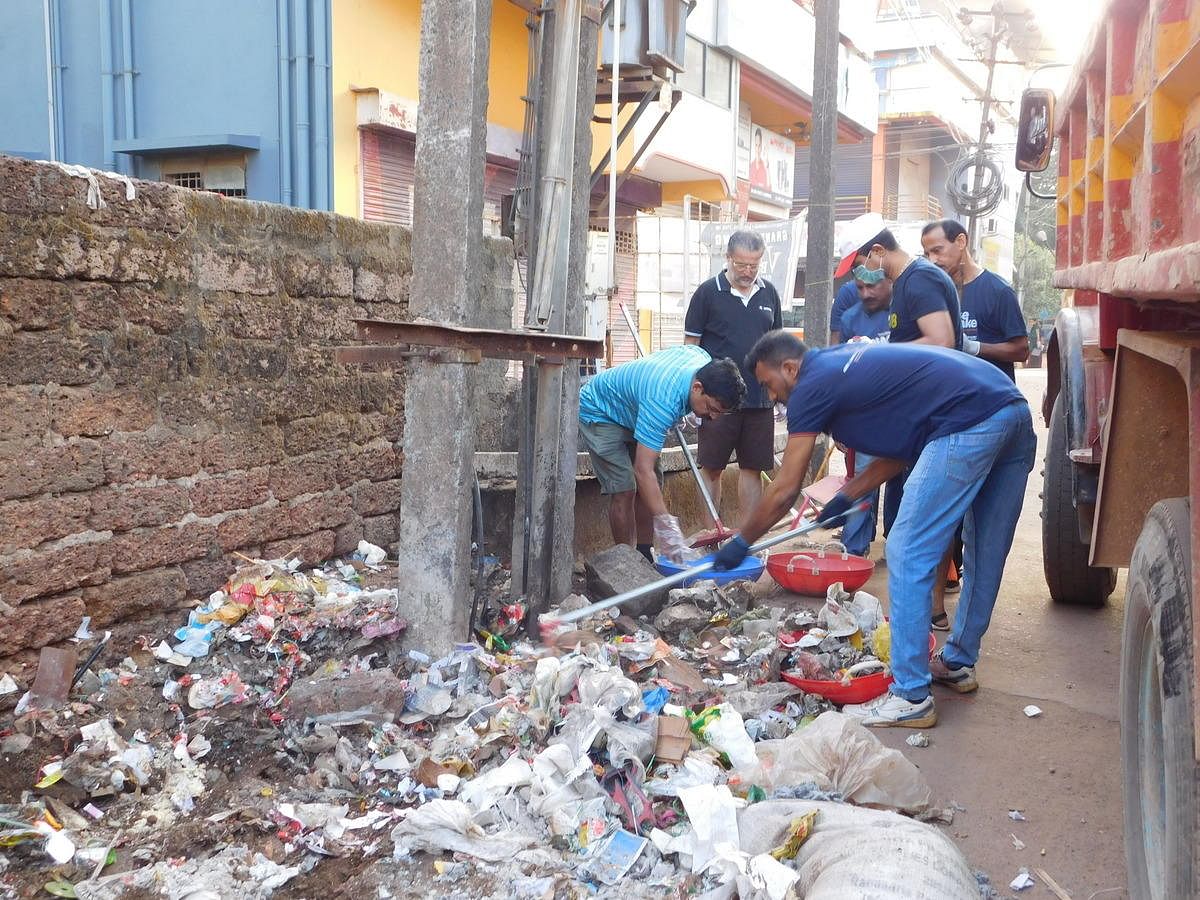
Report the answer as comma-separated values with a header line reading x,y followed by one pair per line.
x,y
388,176
852,173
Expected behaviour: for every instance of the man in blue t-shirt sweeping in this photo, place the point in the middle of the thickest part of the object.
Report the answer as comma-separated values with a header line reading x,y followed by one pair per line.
x,y
624,416
965,431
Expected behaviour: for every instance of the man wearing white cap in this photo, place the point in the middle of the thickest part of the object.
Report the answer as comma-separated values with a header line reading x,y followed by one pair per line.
x,y
924,300
924,307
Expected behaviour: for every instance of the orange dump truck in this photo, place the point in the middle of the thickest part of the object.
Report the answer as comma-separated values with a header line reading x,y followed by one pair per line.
x,y
1122,476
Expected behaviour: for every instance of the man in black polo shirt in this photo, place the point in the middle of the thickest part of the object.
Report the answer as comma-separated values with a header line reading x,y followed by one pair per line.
x,y
726,316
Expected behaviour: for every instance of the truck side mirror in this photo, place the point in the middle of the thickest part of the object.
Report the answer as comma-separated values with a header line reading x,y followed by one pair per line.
x,y
1035,137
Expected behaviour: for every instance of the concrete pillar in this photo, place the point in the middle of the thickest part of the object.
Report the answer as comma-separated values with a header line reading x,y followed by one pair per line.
x,y
447,248
563,552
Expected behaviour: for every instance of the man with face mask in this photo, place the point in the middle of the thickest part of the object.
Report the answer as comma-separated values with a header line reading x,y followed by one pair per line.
x,y
924,304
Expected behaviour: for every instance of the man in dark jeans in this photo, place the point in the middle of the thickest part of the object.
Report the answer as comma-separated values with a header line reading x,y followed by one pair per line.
x,y
726,315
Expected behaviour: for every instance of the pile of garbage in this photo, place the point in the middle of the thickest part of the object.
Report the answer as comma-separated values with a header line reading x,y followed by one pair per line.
x,y
847,642
290,739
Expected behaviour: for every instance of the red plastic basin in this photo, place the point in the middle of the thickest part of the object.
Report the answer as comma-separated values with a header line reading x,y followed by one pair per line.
x,y
859,690
811,572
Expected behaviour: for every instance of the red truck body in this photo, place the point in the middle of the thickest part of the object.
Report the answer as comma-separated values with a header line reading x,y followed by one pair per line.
x,y
1124,392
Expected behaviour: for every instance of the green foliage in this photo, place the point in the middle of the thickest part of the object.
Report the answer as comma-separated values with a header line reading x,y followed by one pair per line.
x,y
1034,270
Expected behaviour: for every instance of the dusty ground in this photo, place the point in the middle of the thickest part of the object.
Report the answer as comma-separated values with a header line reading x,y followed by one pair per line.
x,y
1061,769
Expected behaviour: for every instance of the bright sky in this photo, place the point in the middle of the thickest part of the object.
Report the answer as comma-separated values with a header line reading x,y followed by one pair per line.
x,y
1069,23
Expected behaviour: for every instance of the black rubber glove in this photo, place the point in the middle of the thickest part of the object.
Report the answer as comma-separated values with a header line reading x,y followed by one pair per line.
x,y
835,508
731,555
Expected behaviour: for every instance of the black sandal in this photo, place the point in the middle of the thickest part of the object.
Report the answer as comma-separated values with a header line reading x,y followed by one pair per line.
x,y
940,622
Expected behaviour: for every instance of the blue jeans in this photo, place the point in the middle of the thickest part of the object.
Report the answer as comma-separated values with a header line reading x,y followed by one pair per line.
x,y
976,477
857,536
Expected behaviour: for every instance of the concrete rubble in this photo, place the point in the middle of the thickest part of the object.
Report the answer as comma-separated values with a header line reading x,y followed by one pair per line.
x,y
291,738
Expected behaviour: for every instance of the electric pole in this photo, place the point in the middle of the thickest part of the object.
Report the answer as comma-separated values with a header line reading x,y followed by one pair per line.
x,y
818,266
977,183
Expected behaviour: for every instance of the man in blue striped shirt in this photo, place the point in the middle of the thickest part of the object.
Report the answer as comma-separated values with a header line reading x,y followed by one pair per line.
x,y
624,416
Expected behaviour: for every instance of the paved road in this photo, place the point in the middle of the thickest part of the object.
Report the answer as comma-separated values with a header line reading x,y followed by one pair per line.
x,y
1061,769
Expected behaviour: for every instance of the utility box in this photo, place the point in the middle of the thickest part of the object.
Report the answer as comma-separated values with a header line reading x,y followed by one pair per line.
x,y
653,34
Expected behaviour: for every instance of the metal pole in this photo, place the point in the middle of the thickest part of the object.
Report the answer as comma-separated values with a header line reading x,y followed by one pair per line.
x,y
977,181
50,76
614,140
818,268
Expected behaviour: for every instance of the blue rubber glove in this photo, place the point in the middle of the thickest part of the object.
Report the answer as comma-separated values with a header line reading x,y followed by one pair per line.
x,y
731,555
835,508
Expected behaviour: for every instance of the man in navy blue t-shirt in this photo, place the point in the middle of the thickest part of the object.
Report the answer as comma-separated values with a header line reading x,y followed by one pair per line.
x,y
965,431
992,325
846,297
924,304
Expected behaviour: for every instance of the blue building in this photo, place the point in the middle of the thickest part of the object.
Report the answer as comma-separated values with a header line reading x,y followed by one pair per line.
x,y
225,95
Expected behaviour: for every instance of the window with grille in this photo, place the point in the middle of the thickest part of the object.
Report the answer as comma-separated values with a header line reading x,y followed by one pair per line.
x,y
222,174
194,180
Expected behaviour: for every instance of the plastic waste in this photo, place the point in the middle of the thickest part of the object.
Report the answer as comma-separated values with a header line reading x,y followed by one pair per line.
x,y
369,553
653,699
450,825
726,732
867,611
1023,881
695,771
615,856
834,617
483,791
881,642
210,693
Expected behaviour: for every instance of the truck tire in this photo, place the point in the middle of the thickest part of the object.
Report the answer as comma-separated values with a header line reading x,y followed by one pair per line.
x,y
1157,736
1064,556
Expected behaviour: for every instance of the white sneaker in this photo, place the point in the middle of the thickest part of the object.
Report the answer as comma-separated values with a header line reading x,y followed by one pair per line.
x,y
893,711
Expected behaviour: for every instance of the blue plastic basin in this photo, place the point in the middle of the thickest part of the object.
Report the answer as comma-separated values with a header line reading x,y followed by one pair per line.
x,y
749,570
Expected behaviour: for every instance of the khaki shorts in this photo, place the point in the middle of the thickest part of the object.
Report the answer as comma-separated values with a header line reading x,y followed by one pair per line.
x,y
612,448
751,432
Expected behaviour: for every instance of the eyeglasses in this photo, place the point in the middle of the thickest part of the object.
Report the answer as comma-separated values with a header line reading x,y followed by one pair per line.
x,y
744,267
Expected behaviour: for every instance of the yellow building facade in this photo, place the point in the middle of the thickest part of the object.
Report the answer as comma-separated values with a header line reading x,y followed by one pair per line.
x,y
375,90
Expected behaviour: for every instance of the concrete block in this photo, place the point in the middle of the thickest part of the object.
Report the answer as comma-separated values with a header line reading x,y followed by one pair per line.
x,y
619,569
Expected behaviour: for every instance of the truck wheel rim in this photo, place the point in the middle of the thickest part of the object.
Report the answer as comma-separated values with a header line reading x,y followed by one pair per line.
x,y
1152,766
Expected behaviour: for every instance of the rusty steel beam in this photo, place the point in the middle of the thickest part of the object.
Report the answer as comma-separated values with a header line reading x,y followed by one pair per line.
x,y
493,343
391,354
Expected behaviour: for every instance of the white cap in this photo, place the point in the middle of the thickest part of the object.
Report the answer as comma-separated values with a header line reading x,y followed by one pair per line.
x,y
853,235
